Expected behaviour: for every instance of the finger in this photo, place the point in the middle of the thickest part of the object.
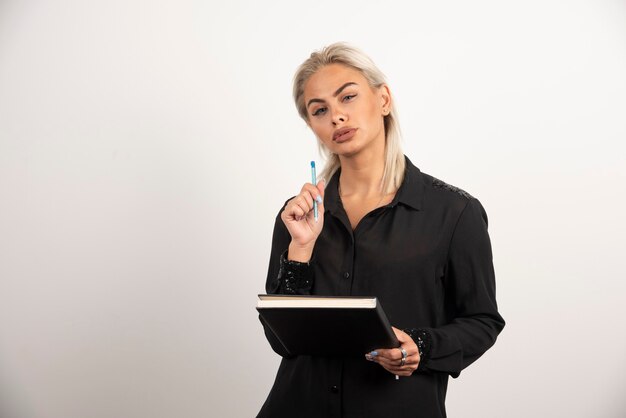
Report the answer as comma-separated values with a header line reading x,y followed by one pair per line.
x,y
391,362
293,210
321,188
397,368
304,206
394,366
393,357
299,207
305,199
405,373
400,371
312,192
410,362
314,197
411,349
389,353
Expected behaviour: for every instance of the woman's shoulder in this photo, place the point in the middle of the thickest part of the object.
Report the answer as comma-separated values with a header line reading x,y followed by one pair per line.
x,y
443,193
434,187
449,198
437,184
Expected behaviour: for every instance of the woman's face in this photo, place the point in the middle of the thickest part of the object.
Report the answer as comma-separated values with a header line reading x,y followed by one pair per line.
x,y
339,98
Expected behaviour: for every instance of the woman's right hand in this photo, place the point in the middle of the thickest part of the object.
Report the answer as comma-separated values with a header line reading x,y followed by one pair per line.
x,y
299,219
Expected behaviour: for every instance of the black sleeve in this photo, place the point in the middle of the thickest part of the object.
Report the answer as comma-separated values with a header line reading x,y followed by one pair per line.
x,y
284,276
421,338
474,321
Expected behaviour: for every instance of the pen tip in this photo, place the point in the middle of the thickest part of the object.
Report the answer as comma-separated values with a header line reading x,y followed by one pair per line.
x,y
313,164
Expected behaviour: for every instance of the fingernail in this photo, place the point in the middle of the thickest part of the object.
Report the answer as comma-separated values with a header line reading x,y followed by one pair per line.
x,y
368,357
319,199
373,353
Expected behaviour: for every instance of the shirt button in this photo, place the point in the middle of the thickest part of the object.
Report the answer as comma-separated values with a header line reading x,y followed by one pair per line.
x,y
334,389
346,275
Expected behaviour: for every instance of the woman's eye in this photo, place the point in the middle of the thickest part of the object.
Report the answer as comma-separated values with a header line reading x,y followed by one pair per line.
x,y
349,96
317,112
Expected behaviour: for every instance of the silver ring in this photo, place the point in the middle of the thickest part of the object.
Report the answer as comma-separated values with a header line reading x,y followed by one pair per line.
x,y
404,356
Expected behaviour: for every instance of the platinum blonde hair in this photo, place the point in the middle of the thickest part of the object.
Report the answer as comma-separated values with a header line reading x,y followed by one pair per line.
x,y
348,55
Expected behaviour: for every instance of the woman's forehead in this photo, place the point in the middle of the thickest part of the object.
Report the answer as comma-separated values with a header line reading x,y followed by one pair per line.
x,y
326,80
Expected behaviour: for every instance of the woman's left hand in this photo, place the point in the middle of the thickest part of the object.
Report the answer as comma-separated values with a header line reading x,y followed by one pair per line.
x,y
391,358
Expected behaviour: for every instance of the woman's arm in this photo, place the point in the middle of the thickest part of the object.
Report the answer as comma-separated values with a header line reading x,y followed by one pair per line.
x,y
474,321
286,275
274,284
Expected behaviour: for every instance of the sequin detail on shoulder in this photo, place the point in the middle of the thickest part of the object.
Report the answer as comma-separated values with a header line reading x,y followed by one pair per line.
x,y
440,184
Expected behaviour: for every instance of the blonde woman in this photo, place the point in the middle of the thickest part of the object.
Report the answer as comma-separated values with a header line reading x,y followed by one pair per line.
x,y
388,230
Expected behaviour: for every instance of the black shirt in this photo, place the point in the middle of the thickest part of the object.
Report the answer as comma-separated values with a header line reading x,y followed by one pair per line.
x,y
427,257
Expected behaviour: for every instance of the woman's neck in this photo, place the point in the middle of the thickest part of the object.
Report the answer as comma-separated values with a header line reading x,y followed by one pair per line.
x,y
361,174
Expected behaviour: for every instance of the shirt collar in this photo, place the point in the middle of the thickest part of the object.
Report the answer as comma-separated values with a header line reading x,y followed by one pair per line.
x,y
410,193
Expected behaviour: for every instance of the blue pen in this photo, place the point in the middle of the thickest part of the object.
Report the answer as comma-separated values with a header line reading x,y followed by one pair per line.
x,y
314,181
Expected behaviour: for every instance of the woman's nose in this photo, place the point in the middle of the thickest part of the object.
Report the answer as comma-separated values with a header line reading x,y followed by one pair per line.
x,y
338,116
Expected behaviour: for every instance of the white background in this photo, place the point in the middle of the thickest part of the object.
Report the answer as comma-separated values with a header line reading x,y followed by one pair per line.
x,y
147,146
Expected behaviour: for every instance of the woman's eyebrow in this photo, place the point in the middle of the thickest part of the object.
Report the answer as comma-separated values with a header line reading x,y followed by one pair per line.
x,y
339,90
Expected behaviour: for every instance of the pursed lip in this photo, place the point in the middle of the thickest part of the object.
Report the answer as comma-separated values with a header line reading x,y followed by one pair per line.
x,y
341,131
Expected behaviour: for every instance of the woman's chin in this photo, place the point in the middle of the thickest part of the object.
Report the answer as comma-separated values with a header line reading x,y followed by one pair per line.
x,y
347,152
353,149
346,148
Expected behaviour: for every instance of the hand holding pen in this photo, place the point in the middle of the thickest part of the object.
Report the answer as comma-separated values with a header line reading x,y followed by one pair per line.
x,y
304,218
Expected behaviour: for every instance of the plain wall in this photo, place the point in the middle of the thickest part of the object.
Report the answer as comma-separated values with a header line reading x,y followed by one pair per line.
x,y
147,146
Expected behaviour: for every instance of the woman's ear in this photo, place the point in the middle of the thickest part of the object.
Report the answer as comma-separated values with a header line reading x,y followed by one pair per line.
x,y
385,97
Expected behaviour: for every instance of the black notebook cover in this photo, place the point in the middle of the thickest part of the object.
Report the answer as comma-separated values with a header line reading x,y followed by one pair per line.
x,y
328,330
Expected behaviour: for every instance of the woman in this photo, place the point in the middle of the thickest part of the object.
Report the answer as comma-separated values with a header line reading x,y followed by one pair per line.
x,y
388,230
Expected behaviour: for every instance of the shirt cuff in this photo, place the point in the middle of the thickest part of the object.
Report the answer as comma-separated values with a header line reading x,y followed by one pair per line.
x,y
423,341
295,278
